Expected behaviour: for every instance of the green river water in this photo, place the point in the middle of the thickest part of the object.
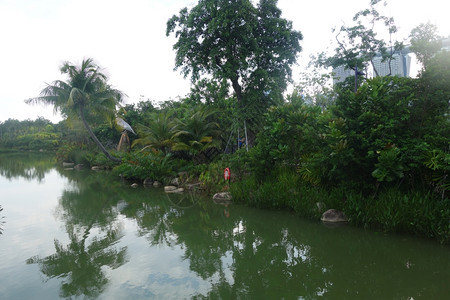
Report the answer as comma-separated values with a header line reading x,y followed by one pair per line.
x,y
86,234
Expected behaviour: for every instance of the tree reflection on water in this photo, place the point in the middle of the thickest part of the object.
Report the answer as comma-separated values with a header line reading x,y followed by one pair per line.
x,y
30,166
93,231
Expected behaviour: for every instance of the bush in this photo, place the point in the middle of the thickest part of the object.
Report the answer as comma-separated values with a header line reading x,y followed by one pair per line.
x,y
141,165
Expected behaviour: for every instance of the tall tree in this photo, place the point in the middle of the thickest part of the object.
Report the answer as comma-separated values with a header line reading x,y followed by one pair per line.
x,y
85,94
425,42
252,47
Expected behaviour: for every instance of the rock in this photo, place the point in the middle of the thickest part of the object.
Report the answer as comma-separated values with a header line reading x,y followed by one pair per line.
x,y
148,181
134,185
222,196
68,164
175,182
96,168
78,167
175,191
333,215
157,184
169,188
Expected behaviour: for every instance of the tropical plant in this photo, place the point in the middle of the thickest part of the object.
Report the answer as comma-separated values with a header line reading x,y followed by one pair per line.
x,y
85,94
158,134
142,165
196,133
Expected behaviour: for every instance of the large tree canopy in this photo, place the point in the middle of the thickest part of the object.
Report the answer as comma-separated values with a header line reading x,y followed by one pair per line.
x,y
252,47
425,42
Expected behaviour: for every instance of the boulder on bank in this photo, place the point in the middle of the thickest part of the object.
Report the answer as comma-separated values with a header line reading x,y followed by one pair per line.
x,y
79,167
333,216
148,181
222,196
173,189
169,188
134,185
157,184
175,181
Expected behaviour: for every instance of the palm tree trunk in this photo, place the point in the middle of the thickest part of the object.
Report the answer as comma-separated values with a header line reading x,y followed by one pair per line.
x,y
92,135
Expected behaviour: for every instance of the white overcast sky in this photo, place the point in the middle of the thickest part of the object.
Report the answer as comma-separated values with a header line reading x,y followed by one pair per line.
x,y
127,38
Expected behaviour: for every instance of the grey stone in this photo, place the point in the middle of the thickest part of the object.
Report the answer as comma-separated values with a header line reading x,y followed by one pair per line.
x,y
222,196
334,216
175,182
148,181
157,184
169,188
175,191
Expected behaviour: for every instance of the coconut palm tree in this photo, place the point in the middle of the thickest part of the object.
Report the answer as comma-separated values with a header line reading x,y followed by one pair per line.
x,y
85,94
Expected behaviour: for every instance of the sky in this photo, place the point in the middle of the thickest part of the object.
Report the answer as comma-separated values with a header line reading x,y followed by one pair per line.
x,y
127,39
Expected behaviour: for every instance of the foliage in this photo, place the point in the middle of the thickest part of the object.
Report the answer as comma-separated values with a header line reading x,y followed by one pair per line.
x,y
142,165
159,132
314,88
389,167
252,47
86,94
359,44
425,42
39,134
196,133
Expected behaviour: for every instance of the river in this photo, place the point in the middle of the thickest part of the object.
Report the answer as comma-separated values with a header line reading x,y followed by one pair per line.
x,y
87,234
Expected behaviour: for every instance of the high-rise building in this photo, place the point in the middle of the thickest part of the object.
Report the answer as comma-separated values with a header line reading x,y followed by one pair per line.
x,y
340,73
399,65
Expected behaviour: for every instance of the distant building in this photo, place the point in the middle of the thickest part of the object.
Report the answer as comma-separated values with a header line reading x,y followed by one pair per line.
x,y
400,64
340,73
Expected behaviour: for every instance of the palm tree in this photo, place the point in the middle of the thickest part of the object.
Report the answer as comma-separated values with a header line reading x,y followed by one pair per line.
x,y
86,95
196,133
159,132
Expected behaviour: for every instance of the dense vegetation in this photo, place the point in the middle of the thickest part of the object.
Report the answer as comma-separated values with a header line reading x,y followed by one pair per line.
x,y
380,154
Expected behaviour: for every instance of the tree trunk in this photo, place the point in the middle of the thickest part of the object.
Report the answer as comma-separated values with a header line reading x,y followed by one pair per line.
x,y
92,135
237,89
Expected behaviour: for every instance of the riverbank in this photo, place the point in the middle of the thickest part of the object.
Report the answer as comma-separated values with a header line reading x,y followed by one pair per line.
x,y
416,212
389,209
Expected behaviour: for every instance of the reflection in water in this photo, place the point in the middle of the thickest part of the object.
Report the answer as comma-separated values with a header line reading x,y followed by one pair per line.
x,y
85,208
31,166
122,240
79,265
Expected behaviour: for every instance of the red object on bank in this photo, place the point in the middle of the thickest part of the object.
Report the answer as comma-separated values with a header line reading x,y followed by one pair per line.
x,y
227,174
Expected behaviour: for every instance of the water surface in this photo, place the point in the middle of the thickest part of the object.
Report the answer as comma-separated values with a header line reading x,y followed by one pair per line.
x,y
87,234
